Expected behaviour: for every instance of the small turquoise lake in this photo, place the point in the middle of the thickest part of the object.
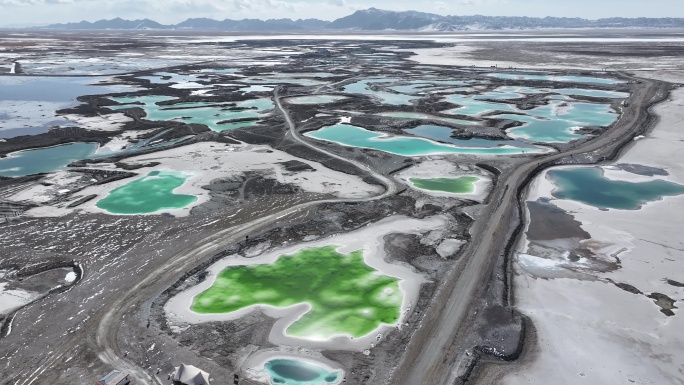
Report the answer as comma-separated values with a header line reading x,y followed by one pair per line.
x,y
294,372
589,186
46,159
149,194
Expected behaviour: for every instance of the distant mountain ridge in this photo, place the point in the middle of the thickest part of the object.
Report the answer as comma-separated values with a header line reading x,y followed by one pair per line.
x,y
373,19
376,19
198,24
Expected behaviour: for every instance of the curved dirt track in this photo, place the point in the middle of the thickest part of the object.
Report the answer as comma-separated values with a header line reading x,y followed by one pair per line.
x,y
193,255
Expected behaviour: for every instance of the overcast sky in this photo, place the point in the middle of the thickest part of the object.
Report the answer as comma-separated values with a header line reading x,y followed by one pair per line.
x,y
23,12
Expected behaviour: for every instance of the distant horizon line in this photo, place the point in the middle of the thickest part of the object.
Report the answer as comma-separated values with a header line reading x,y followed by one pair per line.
x,y
46,24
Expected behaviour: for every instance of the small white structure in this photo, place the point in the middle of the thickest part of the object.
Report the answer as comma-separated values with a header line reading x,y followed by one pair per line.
x,y
114,377
190,375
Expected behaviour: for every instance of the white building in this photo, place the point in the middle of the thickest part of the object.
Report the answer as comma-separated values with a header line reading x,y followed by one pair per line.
x,y
190,375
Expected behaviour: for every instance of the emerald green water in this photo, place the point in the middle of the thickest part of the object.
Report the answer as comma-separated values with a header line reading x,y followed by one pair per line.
x,y
46,159
148,194
462,185
346,295
294,372
588,185
209,114
401,145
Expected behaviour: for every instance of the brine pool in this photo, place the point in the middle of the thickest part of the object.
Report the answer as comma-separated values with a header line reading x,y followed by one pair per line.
x,y
589,185
555,122
296,372
461,185
47,159
54,158
149,194
354,136
443,134
209,114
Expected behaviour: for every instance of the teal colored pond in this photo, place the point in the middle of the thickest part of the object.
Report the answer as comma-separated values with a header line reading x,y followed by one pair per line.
x,y
349,135
149,194
394,99
209,114
589,185
412,88
363,87
555,122
574,79
46,159
294,372
474,107
443,134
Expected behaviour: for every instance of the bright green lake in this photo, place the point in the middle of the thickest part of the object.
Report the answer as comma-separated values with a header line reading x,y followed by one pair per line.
x,y
148,194
346,295
461,185
588,185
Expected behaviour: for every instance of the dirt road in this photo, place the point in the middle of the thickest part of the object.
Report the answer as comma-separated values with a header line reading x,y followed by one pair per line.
x,y
430,355
195,254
